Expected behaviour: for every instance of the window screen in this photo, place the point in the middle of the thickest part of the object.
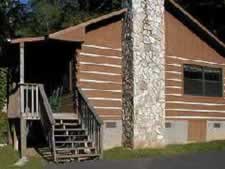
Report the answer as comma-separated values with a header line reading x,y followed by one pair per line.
x,y
203,81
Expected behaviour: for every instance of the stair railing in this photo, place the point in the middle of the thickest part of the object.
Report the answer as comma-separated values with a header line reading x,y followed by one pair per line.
x,y
90,120
47,120
35,105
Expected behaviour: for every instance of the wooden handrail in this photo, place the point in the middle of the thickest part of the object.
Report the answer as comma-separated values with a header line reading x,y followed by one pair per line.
x,y
47,120
90,120
99,120
46,104
35,104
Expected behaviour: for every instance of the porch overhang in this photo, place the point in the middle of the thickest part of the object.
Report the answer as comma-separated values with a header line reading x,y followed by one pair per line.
x,y
10,51
40,39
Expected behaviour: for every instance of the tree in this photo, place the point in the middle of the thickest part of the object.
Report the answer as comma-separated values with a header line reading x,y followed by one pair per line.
x,y
12,14
46,16
209,13
2,87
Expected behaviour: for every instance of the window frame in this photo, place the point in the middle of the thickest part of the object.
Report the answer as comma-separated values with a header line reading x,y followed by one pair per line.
x,y
204,80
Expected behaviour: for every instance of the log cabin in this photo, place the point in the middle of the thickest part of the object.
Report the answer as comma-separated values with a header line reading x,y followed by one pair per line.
x,y
66,89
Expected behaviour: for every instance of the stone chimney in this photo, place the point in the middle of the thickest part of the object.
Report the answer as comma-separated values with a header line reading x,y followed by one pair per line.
x,y
143,73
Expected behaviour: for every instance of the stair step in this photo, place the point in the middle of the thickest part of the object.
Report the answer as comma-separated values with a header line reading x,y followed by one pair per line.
x,y
74,149
70,132
76,156
72,142
71,138
67,124
65,116
63,126
76,129
72,135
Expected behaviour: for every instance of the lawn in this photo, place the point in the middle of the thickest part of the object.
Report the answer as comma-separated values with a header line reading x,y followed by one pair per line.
x,y
123,153
8,156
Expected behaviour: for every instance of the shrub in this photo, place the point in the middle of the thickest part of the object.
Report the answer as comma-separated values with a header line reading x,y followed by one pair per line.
x,y
3,82
3,128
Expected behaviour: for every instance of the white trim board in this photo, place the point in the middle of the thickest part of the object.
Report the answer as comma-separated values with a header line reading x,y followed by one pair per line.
x,y
193,60
194,110
108,108
99,81
101,47
196,103
97,55
194,117
100,64
101,73
89,89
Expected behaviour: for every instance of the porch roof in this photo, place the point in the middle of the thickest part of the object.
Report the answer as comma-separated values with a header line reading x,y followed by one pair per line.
x,y
39,39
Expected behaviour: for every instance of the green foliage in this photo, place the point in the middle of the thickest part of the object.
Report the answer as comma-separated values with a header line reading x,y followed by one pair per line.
x,y
55,102
12,14
46,16
3,128
124,153
3,82
209,13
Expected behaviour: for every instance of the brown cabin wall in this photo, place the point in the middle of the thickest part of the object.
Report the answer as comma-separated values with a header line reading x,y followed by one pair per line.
x,y
99,75
99,69
184,47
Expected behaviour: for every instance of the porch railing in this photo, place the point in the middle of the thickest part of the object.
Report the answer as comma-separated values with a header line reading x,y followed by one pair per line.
x,y
35,105
29,98
89,120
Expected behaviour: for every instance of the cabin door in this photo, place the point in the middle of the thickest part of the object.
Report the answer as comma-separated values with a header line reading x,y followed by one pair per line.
x,y
196,130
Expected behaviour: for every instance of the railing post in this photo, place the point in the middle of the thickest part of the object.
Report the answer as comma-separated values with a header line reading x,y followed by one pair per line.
x,y
22,100
101,141
37,101
23,136
53,143
32,100
76,102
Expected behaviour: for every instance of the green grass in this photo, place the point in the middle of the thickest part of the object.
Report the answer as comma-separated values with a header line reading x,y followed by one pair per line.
x,y
8,157
123,153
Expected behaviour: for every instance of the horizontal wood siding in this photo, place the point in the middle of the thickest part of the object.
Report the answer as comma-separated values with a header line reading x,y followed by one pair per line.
x,y
184,47
99,69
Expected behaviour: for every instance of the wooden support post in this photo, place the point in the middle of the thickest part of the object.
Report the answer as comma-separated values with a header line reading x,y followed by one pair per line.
x,y
71,75
23,137
21,63
22,78
15,138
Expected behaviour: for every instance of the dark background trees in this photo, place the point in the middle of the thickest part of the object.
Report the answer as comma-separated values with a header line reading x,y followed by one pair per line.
x,y
210,13
38,17
45,16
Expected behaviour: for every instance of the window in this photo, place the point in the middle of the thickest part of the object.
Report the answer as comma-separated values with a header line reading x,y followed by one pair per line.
x,y
110,124
217,125
168,125
203,81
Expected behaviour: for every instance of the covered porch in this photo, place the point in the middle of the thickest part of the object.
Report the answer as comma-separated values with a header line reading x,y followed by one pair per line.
x,y
42,92
39,62
40,76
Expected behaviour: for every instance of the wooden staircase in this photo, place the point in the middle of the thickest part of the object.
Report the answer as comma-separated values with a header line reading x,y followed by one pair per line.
x,y
73,136
71,140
